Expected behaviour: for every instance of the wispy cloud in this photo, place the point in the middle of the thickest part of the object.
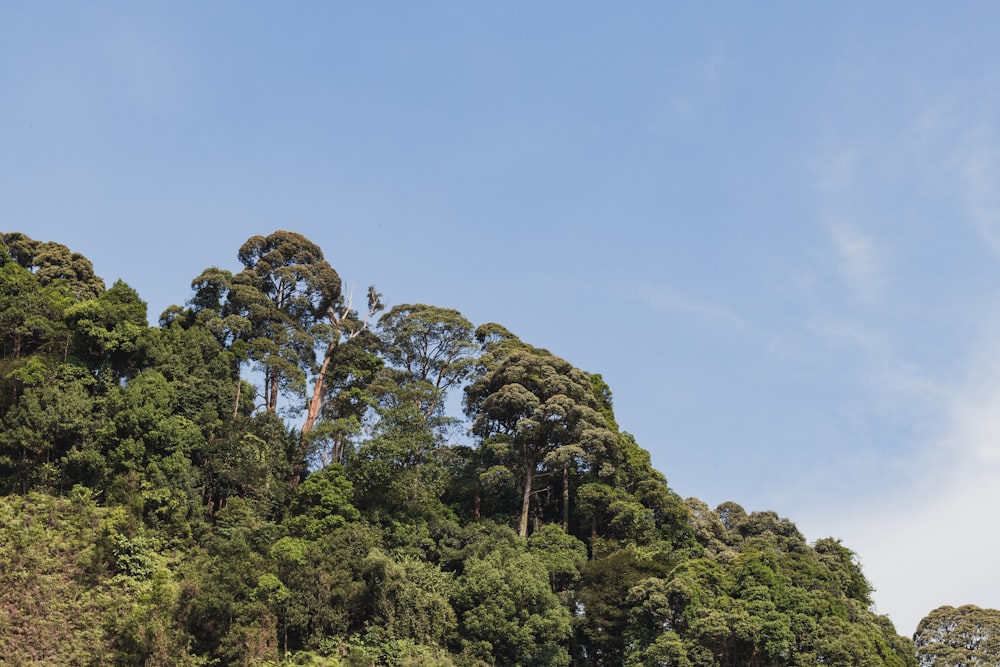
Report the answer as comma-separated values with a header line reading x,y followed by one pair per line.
x,y
955,147
978,175
700,83
922,520
664,298
933,542
860,260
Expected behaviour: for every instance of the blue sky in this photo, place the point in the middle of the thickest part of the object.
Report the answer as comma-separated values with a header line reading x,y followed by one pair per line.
x,y
773,228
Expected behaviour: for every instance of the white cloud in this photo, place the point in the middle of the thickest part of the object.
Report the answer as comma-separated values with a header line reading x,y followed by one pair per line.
x,y
926,535
935,542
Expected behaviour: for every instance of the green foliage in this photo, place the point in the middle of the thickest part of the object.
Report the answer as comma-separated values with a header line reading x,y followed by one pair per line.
x,y
563,555
411,599
284,288
845,572
432,348
159,509
55,416
322,504
132,556
966,635
31,314
508,612
374,647
607,580
53,264
109,331
536,414
401,470
760,596
61,601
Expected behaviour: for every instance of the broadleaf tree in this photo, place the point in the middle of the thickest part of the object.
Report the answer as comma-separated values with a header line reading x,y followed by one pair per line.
x,y
538,414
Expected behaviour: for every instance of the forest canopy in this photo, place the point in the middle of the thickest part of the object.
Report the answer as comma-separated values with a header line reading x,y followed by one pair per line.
x,y
270,475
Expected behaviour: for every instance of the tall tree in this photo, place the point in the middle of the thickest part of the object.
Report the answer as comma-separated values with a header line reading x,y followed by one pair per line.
x,y
285,312
340,325
212,309
432,349
536,412
344,396
54,263
966,636
284,288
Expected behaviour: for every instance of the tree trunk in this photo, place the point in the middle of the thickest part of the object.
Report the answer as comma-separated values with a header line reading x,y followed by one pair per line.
x,y
239,389
430,409
267,389
565,523
526,501
272,399
316,402
593,535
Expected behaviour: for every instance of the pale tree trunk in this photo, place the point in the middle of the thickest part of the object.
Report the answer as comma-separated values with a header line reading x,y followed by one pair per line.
x,y
337,319
430,409
526,501
316,402
565,493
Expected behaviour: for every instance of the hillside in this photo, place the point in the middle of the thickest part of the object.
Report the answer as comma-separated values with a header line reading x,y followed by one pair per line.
x,y
270,476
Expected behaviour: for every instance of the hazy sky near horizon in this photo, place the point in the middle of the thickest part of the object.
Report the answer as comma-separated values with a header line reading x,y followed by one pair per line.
x,y
774,228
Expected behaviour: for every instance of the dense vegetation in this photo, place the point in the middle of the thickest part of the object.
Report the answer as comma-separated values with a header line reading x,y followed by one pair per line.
x,y
967,636
270,477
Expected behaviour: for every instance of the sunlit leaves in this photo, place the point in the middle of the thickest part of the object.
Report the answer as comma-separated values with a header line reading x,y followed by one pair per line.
x,y
432,348
966,636
529,406
509,612
322,504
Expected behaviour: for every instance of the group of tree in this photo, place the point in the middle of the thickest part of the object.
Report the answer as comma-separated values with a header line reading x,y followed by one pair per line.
x,y
270,476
